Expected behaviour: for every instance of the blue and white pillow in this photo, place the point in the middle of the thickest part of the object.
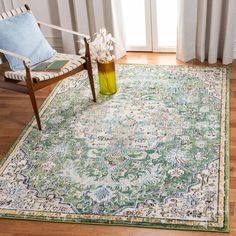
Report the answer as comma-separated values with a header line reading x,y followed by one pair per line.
x,y
20,34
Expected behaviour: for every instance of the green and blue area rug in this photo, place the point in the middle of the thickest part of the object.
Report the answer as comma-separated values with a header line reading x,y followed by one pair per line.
x,y
155,154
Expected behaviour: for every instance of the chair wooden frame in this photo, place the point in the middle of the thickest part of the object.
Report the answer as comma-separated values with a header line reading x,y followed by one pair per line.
x,y
31,86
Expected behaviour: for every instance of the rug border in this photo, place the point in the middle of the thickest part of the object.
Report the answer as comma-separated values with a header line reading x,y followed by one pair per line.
x,y
226,226
227,155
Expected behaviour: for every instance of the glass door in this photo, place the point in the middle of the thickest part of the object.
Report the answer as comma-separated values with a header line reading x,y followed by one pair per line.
x,y
137,23
164,25
150,25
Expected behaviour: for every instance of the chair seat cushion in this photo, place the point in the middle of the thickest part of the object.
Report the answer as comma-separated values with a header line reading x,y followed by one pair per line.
x,y
75,61
20,34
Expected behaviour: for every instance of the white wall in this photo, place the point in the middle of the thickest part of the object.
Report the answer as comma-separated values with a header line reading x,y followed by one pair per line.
x,y
44,10
235,44
235,49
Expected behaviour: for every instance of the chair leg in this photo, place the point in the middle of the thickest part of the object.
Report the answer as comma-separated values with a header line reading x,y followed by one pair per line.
x,y
35,108
89,68
32,96
91,81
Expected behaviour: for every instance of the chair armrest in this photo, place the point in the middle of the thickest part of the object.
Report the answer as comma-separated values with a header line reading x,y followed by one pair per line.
x,y
26,60
64,30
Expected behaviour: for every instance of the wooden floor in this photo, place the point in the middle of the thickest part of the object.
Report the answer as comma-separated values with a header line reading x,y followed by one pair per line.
x,y
16,112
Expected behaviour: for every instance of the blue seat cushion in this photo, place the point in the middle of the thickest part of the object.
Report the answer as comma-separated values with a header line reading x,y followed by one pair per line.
x,y
20,34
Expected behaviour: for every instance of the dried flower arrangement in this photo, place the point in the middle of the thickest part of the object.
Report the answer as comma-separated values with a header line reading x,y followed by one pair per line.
x,y
101,47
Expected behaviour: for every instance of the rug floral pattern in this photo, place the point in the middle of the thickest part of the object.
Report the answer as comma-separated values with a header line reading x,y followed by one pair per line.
x,y
154,154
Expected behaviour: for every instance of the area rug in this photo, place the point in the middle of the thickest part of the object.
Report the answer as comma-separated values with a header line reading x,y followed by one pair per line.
x,y
155,154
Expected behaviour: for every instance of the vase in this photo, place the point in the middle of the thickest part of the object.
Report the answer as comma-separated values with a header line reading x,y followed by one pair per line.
x,y
107,77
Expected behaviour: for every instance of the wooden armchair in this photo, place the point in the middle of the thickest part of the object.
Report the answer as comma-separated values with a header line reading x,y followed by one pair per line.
x,y
28,81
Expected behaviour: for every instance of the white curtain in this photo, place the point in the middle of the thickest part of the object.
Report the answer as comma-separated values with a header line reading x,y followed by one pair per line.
x,y
206,30
87,17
